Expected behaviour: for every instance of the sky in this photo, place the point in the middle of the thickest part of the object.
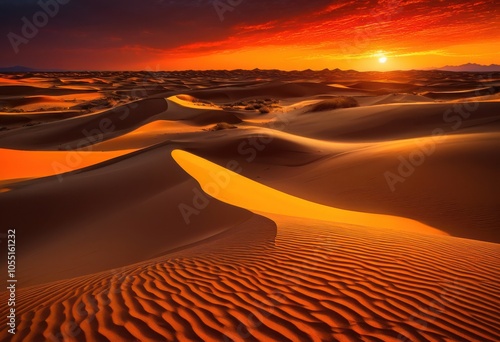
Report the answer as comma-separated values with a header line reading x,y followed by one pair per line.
x,y
246,34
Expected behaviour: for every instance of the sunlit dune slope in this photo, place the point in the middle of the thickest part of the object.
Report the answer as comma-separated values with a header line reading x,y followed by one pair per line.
x,y
36,164
231,188
191,113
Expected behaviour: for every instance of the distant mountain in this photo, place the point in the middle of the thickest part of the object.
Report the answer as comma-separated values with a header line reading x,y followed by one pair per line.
x,y
471,67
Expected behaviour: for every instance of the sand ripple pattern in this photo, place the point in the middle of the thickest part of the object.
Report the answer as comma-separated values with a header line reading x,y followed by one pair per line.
x,y
314,282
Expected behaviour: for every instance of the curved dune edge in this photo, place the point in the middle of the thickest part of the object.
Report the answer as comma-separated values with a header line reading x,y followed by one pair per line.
x,y
152,133
34,164
232,188
190,102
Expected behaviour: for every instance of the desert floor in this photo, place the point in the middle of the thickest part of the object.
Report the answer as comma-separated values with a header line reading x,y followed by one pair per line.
x,y
252,205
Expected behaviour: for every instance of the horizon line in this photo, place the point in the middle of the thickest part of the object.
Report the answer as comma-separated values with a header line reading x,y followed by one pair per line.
x,y
231,70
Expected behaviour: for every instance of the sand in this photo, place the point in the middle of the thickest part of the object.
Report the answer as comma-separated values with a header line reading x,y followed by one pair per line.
x,y
186,213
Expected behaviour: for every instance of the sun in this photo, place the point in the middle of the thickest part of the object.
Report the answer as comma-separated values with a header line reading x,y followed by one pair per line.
x,y
382,60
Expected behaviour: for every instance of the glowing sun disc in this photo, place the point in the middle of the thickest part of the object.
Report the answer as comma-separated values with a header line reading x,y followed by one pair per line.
x,y
382,59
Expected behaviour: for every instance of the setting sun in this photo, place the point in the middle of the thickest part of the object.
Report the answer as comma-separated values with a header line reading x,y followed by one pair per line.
x,y
382,59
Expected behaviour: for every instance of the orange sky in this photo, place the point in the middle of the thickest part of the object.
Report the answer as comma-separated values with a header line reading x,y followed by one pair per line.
x,y
279,34
439,37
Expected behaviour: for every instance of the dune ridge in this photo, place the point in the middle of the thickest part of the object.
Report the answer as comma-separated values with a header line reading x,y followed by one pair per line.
x,y
227,186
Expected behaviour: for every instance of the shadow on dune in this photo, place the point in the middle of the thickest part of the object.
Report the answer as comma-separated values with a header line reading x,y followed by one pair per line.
x,y
113,214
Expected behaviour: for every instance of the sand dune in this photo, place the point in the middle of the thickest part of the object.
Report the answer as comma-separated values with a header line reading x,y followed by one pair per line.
x,y
272,89
314,281
353,175
149,214
13,121
384,86
227,186
25,90
461,94
46,103
29,164
149,235
395,121
197,115
85,130
155,132
392,98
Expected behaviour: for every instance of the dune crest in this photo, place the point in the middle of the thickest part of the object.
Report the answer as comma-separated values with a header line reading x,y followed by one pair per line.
x,y
228,186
